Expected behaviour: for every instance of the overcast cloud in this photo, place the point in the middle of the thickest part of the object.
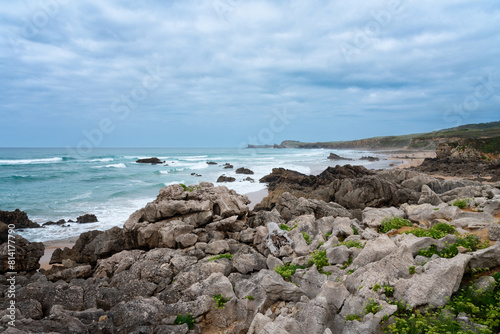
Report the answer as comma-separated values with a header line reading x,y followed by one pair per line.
x,y
220,73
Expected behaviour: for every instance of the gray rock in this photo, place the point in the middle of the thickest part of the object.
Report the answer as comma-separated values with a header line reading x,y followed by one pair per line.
x,y
258,323
338,255
186,240
217,247
374,250
272,262
247,260
494,232
27,255
440,278
276,238
429,196
486,258
369,234
373,217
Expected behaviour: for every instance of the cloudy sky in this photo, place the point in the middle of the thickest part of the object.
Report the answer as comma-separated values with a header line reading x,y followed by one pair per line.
x,y
229,72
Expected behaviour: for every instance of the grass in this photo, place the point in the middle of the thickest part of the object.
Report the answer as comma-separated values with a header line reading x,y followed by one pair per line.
x,y
411,269
307,238
471,242
393,223
221,256
356,232
220,301
249,297
185,319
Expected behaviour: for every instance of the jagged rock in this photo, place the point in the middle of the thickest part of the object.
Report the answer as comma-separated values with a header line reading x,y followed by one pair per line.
x,y
4,232
243,170
374,250
18,218
368,158
426,212
228,166
429,196
486,258
494,232
27,255
247,260
153,161
137,312
338,255
290,207
59,222
217,247
276,238
72,273
373,217
211,163
440,278
258,323
86,218
224,178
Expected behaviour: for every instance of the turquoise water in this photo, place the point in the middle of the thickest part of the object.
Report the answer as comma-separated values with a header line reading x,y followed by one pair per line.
x,y
53,184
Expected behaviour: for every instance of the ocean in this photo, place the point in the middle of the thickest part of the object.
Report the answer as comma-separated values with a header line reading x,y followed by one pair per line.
x,y
52,184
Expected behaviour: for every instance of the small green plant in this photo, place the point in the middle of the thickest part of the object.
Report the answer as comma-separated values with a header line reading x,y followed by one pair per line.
x,y
388,290
438,231
286,227
221,256
327,235
356,232
350,271
460,203
471,242
351,243
435,209
249,297
319,259
411,270
376,287
307,237
183,186
372,307
352,317
185,319
288,269
347,263
393,223
220,301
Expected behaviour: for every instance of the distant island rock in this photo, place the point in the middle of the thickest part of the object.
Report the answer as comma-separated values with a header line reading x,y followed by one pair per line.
x,y
243,170
224,178
334,156
211,163
153,161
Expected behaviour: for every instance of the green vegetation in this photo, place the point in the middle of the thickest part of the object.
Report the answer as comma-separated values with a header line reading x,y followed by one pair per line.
x,y
388,290
350,271
288,269
221,256
481,306
352,317
185,319
411,269
471,242
351,243
249,297
307,238
286,228
393,223
376,287
327,235
320,260
183,186
461,203
347,263
356,232
372,307
438,231
220,301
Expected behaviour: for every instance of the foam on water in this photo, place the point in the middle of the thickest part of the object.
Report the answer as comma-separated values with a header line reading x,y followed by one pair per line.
x,y
31,161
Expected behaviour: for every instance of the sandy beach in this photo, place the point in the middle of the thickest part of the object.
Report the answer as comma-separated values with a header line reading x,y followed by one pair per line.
x,y
50,247
411,158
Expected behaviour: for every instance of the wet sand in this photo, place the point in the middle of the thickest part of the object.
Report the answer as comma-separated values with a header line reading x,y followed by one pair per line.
x,y
256,197
50,247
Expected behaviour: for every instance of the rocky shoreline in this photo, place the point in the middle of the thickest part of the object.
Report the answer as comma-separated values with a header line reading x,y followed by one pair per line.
x,y
320,254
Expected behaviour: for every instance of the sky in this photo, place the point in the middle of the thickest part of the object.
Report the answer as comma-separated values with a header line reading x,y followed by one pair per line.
x,y
227,73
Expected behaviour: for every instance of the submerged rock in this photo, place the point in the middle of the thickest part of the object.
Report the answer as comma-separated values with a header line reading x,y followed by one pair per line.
x,y
153,161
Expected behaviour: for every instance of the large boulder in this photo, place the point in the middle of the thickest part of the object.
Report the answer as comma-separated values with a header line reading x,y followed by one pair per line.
x,y
290,207
18,218
26,255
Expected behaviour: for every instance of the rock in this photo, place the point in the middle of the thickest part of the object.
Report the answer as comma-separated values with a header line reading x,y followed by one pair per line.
x,y
440,278
373,217
249,179
228,166
153,161
211,163
27,255
334,156
374,250
426,212
272,262
4,232
140,311
86,218
186,240
369,158
494,232
18,218
258,323
59,222
276,238
486,258
247,260
429,196
243,170
338,255
290,207
224,178
217,247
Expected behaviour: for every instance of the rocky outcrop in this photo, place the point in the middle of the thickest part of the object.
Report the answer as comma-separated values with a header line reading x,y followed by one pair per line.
x,y
20,255
224,178
153,161
243,170
18,218
369,158
334,156
87,218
